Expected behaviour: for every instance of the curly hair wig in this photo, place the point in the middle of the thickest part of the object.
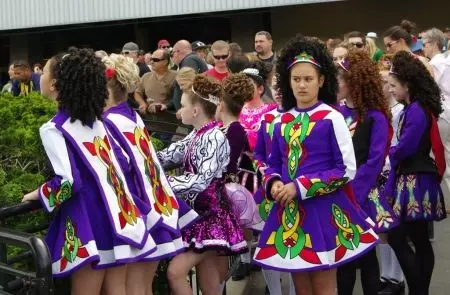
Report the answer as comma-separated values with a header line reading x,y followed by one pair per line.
x,y
238,89
409,70
294,47
81,84
202,88
365,85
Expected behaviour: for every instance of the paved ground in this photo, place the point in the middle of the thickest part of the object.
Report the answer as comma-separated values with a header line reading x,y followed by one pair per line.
x,y
440,284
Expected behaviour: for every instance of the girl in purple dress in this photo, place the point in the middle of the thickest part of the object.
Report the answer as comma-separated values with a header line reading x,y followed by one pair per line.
x,y
368,116
205,153
238,89
391,275
250,118
144,174
315,224
261,155
413,184
97,227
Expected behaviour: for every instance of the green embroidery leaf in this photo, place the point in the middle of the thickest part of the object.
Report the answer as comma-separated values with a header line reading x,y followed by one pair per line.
x,y
298,247
356,235
279,243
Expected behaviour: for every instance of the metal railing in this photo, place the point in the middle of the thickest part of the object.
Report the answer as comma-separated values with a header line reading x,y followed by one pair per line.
x,y
14,280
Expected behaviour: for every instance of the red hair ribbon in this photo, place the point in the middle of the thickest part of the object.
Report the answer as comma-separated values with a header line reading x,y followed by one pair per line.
x,y
110,73
437,147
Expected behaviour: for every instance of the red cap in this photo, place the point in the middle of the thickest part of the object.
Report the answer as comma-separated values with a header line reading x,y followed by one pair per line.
x,y
163,43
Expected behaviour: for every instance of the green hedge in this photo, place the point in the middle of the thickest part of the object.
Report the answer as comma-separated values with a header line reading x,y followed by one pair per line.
x,y
23,164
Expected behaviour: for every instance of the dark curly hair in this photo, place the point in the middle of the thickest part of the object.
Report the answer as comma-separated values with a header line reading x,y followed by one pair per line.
x,y
294,47
203,87
81,84
238,89
409,70
364,82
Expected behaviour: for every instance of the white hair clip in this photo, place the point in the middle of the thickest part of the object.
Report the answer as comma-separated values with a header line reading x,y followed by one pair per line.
x,y
251,71
211,98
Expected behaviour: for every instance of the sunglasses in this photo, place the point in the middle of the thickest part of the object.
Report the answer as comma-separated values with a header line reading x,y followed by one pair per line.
x,y
390,44
155,59
165,47
357,45
221,56
126,52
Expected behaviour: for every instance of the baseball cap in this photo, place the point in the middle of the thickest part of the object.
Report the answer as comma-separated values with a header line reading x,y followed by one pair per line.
x,y
130,46
163,42
198,44
372,35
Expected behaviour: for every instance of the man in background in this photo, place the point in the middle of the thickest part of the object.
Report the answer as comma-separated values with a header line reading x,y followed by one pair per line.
x,y
263,47
183,56
131,50
201,49
25,80
155,90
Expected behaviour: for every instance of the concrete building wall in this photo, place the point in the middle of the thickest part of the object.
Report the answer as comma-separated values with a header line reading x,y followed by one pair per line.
x,y
20,14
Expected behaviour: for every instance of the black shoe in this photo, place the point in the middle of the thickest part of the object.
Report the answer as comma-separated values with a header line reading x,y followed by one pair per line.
x,y
382,285
393,289
242,271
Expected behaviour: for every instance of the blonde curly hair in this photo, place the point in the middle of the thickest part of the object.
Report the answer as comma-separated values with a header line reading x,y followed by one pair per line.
x,y
126,72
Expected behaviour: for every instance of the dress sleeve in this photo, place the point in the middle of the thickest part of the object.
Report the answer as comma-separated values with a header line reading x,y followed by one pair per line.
x,y
324,182
235,136
61,186
174,154
274,162
414,125
368,173
212,156
259,155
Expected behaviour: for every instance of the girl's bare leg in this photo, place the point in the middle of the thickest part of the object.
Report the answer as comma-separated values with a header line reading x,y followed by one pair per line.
x,y
87,281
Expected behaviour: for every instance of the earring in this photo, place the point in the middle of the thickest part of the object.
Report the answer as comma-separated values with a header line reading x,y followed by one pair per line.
x,y
52,88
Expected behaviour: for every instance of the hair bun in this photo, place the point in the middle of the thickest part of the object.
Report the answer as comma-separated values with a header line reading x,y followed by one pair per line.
x,y
207,86
408,26
240,87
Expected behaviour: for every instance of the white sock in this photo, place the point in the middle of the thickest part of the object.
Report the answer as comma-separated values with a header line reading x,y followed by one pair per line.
x,y
395,272
272,278
291,285
221,287
385,261
246,257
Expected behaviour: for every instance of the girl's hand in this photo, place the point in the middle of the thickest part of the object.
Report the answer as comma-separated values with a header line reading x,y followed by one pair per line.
x,y
143,108
286,194
276,187
33,196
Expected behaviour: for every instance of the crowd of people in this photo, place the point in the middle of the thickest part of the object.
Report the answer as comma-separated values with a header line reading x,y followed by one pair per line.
x,y
322,151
